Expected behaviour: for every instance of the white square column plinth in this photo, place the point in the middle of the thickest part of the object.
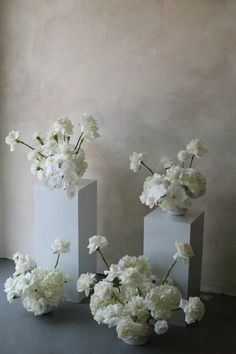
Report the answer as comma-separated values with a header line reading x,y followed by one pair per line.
x,y
161,230
74,220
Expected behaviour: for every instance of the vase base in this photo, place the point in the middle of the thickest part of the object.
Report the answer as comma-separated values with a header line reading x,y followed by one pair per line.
x,y
137,341
177,212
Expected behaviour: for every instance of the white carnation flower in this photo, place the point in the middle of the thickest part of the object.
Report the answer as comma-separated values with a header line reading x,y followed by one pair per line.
x,y
137,308
154,189
63,126
23,263
164,164
196,147
60,246
89,127
103,289
161,327
194,309
112,314
96,242
135,161
12,138
131,277
86,282
183,155
184,252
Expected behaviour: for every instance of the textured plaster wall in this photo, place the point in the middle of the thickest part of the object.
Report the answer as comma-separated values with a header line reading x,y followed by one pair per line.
x,y
155,74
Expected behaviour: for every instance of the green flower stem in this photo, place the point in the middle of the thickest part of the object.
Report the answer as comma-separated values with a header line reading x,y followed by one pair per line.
x,y
172,266
148,168
58,256
80,143
139,291
103,258
76,145
30,147
116,297
191,162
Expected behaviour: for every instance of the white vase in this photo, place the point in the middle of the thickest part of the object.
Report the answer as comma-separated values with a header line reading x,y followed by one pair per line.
x,y
137,340
178,212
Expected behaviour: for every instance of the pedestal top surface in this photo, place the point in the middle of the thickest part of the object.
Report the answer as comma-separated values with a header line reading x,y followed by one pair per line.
x,y
190,216
83,182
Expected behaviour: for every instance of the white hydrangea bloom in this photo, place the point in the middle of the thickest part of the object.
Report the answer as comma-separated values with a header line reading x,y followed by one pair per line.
x,y
12,138
196,147
175,198
96,242
127,329
184,252
137,308
135,161
162,300
161,327
89,127
60,246
86,283
164,164
131,277
112,314
195,182
194,309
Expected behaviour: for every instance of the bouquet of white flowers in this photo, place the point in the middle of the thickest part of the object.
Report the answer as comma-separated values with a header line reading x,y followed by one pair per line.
x,y
39,289
132,299
57,161
172,185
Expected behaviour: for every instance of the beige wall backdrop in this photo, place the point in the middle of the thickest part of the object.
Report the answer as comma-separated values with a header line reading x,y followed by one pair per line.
x,y
155,74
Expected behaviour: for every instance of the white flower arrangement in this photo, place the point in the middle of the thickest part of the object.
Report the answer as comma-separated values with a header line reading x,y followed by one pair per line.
x,y
39,289
57,161
133,300
172,185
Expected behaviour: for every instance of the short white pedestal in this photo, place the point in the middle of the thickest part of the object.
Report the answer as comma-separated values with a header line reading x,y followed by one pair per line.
x,y
161,230
74,220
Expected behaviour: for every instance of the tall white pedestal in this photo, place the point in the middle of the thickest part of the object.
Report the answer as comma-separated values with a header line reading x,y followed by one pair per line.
x,y
161,230
74,220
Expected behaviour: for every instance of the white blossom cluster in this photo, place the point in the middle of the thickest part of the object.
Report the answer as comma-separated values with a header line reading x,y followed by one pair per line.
x,y
173,185
133,300
38,288
57,161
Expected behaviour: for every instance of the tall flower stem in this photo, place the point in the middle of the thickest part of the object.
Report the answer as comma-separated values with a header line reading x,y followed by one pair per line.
x,y
148,168
80,143
191,162
58,256
168,273
76,145
103,258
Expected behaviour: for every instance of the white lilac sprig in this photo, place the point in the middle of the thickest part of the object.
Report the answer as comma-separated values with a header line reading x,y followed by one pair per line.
x,y
172,184
38,288
56,160
132,299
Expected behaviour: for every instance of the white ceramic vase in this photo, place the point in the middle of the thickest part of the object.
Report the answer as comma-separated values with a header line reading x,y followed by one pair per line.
x,y
178,212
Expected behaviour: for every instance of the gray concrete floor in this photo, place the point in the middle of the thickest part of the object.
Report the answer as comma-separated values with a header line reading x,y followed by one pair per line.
x,y
70,329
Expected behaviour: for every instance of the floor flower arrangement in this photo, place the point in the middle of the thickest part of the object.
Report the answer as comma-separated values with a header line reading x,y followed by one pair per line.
x,y
40,289
134,300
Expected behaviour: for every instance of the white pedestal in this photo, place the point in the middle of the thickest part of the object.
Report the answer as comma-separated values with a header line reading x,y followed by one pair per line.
x,y
161,230
74,220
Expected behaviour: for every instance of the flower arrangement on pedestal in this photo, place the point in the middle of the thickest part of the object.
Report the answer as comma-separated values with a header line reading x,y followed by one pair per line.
x,y
57,161
172,185
39,289
134,300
